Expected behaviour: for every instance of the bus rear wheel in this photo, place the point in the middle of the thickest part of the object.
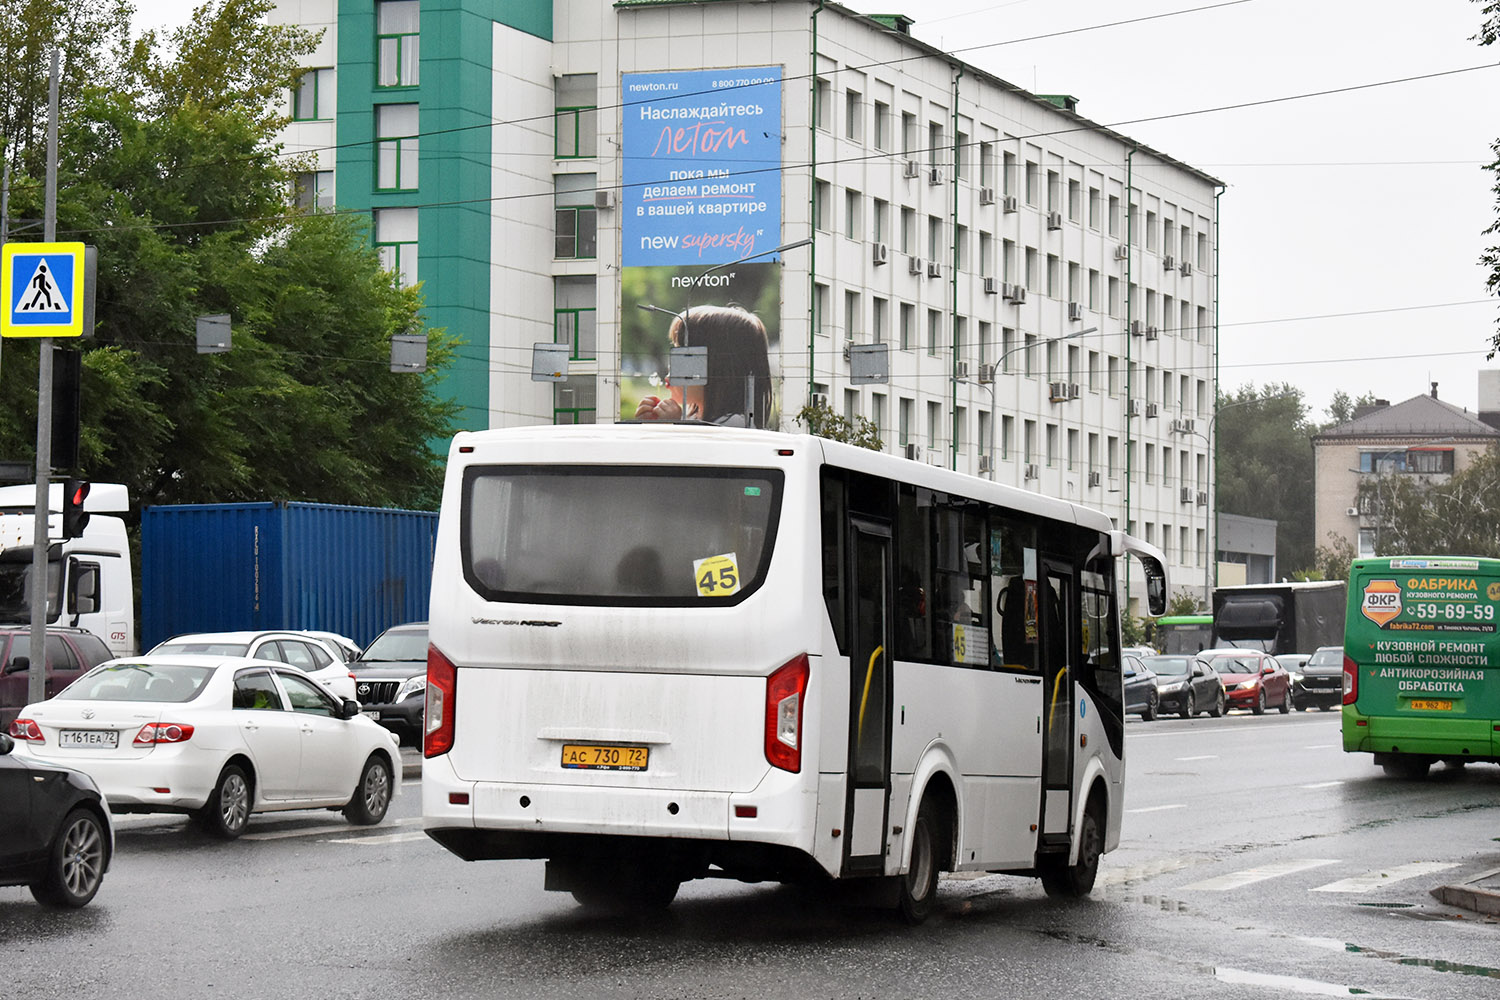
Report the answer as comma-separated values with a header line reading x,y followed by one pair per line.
x,y
618,892
1410,768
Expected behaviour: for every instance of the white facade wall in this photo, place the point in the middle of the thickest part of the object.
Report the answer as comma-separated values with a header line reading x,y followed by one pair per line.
x,y
314,141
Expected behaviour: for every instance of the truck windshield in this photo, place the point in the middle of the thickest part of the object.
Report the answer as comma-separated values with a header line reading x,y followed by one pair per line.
x,y
15,588
644,536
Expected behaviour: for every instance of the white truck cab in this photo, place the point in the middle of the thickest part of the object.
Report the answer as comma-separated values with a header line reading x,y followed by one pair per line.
x,y
89,581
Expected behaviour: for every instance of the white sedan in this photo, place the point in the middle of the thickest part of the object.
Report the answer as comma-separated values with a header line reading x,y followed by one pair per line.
x,y
217,737
310,652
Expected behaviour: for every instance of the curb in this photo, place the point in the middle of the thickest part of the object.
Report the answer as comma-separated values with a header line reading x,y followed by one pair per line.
x,y
1474,895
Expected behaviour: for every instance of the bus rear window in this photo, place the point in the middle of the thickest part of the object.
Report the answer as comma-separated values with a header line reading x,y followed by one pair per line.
x,y
633,536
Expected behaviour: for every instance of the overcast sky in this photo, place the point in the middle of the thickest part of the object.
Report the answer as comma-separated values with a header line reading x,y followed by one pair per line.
x,y
1352,222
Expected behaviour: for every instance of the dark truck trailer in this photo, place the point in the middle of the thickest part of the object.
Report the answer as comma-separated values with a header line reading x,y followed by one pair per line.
x,y
1280,617
228,567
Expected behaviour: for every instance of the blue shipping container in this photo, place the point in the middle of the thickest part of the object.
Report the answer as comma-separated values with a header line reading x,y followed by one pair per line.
x,y
225,567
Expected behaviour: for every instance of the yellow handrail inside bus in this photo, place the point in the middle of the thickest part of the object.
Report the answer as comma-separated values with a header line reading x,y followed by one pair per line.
x,y
1056,690
869,676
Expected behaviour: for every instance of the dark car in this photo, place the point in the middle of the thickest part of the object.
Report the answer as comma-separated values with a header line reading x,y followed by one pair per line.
x,y
1140,688
1252,679
1322,679
1186,685
390,679
71,653
56,835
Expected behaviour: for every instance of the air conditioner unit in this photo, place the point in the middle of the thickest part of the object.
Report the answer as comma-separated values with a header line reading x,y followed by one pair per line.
x,y
1054,220
961,370
992,286
1073,390
1075,311
1150,333
1186,494
1058,392
1168,262
986,196
934,269
914,265
1032,472
985,465
818,399
1121,252
912,169
604,199
1182,425
986,374
913,452
1352,512
1016,293
1010,203
1151,411
1133,408
935,175
1095,479
879,253
1137,328
1201,498
1187,268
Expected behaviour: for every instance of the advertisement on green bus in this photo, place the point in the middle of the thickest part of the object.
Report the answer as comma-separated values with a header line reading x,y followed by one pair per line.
x,y
1422,662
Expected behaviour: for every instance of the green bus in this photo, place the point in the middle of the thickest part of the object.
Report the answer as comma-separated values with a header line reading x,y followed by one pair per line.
x,y
1422,662
1179,635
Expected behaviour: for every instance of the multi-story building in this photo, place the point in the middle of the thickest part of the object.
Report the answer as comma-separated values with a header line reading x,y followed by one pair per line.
x,y
1424,439
581,172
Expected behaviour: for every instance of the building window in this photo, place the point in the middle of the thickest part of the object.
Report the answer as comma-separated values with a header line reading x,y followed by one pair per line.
x,y
1094,208
851,316
313,190
934,423
398,41
312,98
575,316
880,221
396,129
854,214
934,331
908,229
575,401
1033,181
879,319
821,208
908,327
577,220
853,116
576,118
821,110
936,244
1007,431
396,242
882,126
1075,201
903,415
877,412
1114,216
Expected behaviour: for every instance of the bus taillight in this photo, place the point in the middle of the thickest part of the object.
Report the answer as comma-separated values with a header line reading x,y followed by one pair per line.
x,y
442,680
785,690
1351,680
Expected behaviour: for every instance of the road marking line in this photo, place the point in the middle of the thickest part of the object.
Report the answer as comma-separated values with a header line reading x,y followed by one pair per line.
x,y
310,831
1321,746
1207,756
388,838
1388,876
1235,880
1323,784
1154,809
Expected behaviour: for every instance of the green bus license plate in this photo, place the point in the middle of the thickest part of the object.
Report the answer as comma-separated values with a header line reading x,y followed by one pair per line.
x,y
600,757
1433,706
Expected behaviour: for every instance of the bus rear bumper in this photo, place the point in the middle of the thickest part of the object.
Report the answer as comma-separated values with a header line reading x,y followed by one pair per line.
x,y
1474,739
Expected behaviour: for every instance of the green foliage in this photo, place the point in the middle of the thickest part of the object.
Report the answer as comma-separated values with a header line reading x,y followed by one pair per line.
x,y
1264,465
169,167
1334,558
1185,602
822,421
1133,630
1489,33
1416,516
1342,407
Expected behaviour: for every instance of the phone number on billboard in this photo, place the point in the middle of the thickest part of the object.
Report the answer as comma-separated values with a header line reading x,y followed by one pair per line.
x,y
743,82
1454,612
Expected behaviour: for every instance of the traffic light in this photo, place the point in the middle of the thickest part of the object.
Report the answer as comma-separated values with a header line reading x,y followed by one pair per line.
x,y
74,518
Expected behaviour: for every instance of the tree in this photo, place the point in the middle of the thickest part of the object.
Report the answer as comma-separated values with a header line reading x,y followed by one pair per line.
x,y
1334,558
1458,517
170,168
1342,407
822,421
1264,465
1489,33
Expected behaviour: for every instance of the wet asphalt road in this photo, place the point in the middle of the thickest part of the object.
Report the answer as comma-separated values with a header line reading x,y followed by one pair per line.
x,y
1258,860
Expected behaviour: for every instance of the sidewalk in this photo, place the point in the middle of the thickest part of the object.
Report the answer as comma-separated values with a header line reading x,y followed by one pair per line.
x,y
1480,894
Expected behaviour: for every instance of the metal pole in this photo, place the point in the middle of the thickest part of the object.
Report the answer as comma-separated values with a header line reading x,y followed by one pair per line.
x,y
36,689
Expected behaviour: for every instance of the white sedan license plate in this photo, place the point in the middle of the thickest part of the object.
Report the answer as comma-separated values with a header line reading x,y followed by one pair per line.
x,y
89,738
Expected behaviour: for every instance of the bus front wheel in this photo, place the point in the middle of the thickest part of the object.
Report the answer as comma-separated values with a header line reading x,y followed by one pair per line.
x,y
1062,879
917,890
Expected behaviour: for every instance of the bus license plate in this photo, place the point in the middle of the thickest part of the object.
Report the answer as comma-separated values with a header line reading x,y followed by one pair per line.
x,y
89,738
1433,706
599,757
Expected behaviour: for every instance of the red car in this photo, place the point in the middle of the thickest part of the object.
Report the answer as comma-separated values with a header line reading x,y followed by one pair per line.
x,y
1252,679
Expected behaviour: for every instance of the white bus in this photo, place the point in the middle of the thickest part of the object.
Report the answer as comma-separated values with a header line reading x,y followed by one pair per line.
x,y
662,652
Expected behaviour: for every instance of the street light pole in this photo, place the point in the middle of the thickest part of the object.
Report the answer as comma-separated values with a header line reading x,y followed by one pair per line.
x,y
990,385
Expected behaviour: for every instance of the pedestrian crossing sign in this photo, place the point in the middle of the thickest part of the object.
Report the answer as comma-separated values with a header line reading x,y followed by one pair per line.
x,y
41,286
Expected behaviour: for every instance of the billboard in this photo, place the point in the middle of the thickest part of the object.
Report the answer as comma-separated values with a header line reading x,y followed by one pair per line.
x,y
700,209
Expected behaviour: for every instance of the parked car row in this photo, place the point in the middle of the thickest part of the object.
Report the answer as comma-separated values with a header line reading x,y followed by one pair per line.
x,y
216,726
1215,681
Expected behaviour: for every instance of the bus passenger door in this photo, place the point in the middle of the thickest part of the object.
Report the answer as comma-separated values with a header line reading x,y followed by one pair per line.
x,y
871,655
1059,621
